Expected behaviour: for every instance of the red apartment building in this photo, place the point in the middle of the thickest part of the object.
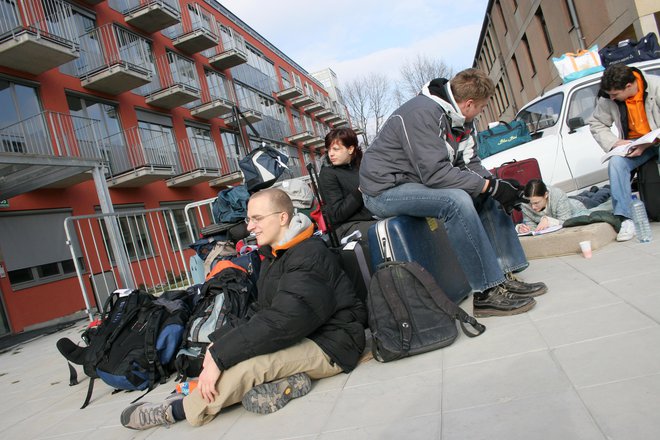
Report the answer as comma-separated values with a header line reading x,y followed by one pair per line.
x,y
156,94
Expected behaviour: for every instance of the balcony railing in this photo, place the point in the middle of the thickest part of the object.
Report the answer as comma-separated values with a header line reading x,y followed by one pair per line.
x,y
139,147
198,154
149,15
215,100
113,60
177,82
37,35
197,31
231,52
248,105
53,134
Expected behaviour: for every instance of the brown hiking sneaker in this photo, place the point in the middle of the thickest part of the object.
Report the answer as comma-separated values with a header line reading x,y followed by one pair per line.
x,y
520,288
270,397
498,301
148,415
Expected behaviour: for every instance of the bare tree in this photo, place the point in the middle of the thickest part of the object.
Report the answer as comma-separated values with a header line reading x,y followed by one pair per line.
x,y
378,92
357,100
415,73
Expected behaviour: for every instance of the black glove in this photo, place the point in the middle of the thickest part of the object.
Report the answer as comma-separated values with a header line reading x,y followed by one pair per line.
x,y
508,192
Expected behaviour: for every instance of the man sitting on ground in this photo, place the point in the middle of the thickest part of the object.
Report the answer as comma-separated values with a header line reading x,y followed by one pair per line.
x,y
309,324
423,163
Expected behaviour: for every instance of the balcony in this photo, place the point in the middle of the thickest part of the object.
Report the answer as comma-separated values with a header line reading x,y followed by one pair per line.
x,y
38,37
302,100
231,173
150,15
341,122
324,112
93,2
139,156
113,60
289,93
315,142
246,116
301,136
313,107
47,150
199,163
231,52
215,102
358,131
195,33
177,82
332,118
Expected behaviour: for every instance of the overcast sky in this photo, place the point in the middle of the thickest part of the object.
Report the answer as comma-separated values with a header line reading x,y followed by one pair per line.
x,y
363,36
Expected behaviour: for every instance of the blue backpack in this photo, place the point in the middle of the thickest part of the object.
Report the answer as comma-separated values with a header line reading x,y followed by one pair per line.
x,y
134,346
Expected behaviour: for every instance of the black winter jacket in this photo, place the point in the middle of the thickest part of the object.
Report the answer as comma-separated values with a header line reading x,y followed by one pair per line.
x,y
339,188
303,293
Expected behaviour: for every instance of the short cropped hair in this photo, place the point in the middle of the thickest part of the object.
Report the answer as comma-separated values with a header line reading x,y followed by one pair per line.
x,y
535,188
471,84
616,77
348,138
279,200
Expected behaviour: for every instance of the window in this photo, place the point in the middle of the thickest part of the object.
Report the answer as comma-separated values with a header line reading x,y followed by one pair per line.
x,y
517,70
23,233
498,5
134,234
528,51
583,102
546,32
232,146
83,22
542,114
157,139
204,154
294,161
297,124
22,129
217,85
286,81
181,228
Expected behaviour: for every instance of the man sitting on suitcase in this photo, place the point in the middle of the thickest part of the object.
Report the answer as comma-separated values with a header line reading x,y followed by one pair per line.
x,y
309,324
423,162
629,100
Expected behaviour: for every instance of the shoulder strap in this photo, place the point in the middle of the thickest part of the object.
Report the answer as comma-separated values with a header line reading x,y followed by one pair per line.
x,y
88,397
401,315
441,299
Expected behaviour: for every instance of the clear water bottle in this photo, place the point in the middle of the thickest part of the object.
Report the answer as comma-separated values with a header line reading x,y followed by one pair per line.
x,y
639,217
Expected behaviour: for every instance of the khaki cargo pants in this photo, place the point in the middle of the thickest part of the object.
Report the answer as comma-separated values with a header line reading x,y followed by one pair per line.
x,y
304,357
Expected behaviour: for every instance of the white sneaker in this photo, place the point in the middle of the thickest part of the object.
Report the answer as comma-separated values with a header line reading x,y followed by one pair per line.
x,y
627,231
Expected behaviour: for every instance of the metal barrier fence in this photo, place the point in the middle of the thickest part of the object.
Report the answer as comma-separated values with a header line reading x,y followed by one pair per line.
x,y
46,18
127,249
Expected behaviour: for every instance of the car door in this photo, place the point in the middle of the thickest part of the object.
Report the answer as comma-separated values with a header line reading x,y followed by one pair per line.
x,y
582,152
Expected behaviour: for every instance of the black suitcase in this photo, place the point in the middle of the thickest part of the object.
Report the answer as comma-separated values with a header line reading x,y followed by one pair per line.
x,y
648,184
354,262
425,241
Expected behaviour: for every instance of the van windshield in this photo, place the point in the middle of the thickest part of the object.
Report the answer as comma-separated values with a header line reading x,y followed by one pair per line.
x,y
542,114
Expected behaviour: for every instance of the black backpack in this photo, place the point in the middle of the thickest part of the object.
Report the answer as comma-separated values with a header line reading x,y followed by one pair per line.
x,y
222,301
409,313
134,346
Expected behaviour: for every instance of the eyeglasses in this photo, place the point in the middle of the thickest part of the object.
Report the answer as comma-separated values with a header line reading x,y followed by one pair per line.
x,y
257,218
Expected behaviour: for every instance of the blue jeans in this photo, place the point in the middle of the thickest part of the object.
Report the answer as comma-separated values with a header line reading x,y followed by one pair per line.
x,y
481,233
620,168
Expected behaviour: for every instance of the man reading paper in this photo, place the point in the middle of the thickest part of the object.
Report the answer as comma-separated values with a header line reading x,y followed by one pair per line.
x,y
630,101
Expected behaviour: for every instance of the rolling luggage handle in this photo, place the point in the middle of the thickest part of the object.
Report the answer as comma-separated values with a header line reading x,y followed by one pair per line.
x,y
314,178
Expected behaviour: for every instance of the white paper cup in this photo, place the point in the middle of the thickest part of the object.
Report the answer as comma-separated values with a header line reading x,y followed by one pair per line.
x,y
585,246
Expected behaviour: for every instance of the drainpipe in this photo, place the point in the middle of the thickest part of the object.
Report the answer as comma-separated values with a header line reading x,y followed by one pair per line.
x,y
576,24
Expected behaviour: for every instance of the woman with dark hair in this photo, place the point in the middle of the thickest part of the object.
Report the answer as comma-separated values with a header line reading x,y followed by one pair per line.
x,y
339,181
550,206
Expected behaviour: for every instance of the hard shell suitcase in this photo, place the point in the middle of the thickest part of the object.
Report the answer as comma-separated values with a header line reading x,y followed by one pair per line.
x,y
521,170
425,241
648,184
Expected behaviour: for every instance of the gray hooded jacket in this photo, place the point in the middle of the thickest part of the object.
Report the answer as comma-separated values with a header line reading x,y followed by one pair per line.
x,y
419,144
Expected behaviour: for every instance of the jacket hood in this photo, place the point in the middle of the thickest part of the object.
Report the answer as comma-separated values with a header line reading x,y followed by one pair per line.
x,y
439,91
300,229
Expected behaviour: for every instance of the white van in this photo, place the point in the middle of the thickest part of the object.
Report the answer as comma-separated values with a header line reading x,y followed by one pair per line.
x,y
569,157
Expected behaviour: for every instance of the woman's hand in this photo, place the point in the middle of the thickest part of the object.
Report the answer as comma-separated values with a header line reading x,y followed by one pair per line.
x,y
544,223
209,378
522,228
